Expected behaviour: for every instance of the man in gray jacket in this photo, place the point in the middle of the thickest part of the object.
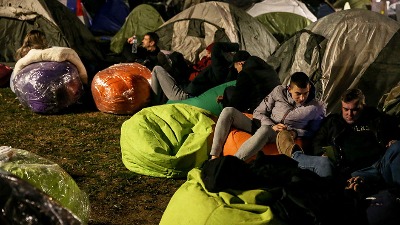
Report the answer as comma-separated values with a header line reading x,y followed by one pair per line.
x,y
293,108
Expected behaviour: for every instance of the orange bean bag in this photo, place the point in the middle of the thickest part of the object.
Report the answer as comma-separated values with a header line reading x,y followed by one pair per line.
x,y
122,88
237,137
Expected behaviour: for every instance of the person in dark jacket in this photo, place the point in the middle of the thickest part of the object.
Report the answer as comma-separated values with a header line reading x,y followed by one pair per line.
x,y
146,53
359,145
256,79
219,72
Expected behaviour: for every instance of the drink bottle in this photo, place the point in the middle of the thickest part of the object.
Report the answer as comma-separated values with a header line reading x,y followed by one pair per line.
x,y
134,44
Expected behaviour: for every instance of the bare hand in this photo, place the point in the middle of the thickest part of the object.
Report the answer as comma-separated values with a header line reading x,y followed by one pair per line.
x,y
356,184
390,143
279,127
130,40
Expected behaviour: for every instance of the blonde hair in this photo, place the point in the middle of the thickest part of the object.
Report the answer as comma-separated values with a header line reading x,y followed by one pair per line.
x,y
34,39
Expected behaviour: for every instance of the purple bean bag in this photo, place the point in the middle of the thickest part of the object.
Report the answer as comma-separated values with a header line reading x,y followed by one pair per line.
x,y
48,87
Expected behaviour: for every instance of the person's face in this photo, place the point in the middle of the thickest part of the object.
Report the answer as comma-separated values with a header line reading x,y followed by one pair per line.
x,y
351,111
299,95
146,42
238,66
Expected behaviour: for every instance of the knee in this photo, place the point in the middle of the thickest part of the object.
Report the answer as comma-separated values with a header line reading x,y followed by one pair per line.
x,y
227,112
325,167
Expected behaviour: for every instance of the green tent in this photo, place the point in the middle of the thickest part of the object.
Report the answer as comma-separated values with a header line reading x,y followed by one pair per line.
x,y
142,19
62,28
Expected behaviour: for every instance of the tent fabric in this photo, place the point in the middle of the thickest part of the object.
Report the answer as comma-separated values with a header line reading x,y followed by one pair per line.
x,y
292,6
226,207
166,140
142,19
346,49
61,26
192,30
283,24
207,100
354,4
110,17
48,177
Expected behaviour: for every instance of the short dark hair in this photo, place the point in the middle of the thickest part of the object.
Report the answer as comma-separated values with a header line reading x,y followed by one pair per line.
x,y
153,37
300,79
353,94
240,56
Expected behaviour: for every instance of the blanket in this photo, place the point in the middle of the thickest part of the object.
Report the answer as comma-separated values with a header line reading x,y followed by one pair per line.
x,y
57,54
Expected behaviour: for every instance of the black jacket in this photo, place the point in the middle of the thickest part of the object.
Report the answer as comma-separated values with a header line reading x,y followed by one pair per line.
x,y
334,132
256,80
220,71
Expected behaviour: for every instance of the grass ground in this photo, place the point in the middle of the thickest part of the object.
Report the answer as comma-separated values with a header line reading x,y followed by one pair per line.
x,y
85,143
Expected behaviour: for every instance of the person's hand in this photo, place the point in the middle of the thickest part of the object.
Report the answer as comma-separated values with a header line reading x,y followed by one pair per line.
x,y
130,40
279,127
356,184
390,143
220,98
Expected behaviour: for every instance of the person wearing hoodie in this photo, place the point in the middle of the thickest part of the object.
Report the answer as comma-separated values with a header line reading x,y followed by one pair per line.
x,y
292,108
256,79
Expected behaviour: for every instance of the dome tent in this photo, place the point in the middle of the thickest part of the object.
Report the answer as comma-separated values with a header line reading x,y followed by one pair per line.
x,y
192,30
346,49
142,19
62,27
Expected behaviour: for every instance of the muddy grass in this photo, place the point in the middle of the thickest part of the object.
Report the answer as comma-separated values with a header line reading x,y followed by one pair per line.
x,y
85,143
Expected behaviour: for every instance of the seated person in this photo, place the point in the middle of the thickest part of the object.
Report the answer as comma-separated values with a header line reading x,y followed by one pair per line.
x,y
146,52
292,108
359,145
203,63
256,79
34,39
220,71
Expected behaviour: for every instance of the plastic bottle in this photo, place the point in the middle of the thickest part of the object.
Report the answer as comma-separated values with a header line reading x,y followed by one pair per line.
x,y
134,44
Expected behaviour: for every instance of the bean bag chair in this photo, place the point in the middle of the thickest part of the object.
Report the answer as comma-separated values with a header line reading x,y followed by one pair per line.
x,y
5,74
46,176
193,204
237,137
21,202
207,100
48,87
122,88
166,140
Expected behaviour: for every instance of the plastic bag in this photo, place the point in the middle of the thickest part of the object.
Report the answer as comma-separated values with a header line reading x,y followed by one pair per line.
x,y
49,178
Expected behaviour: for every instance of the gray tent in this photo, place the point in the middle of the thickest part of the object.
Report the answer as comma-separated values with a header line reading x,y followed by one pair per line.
x,y
192,30
61,26
346,49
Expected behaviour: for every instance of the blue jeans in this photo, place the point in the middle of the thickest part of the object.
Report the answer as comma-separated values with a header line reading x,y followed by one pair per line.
x,y
320,165
386,168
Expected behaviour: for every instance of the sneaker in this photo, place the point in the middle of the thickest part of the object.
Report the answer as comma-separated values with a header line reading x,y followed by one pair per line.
x,y
285,143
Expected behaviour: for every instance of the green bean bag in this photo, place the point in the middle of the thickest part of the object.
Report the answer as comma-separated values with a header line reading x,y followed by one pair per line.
x,y
166,140
208,100
47,177
193,204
